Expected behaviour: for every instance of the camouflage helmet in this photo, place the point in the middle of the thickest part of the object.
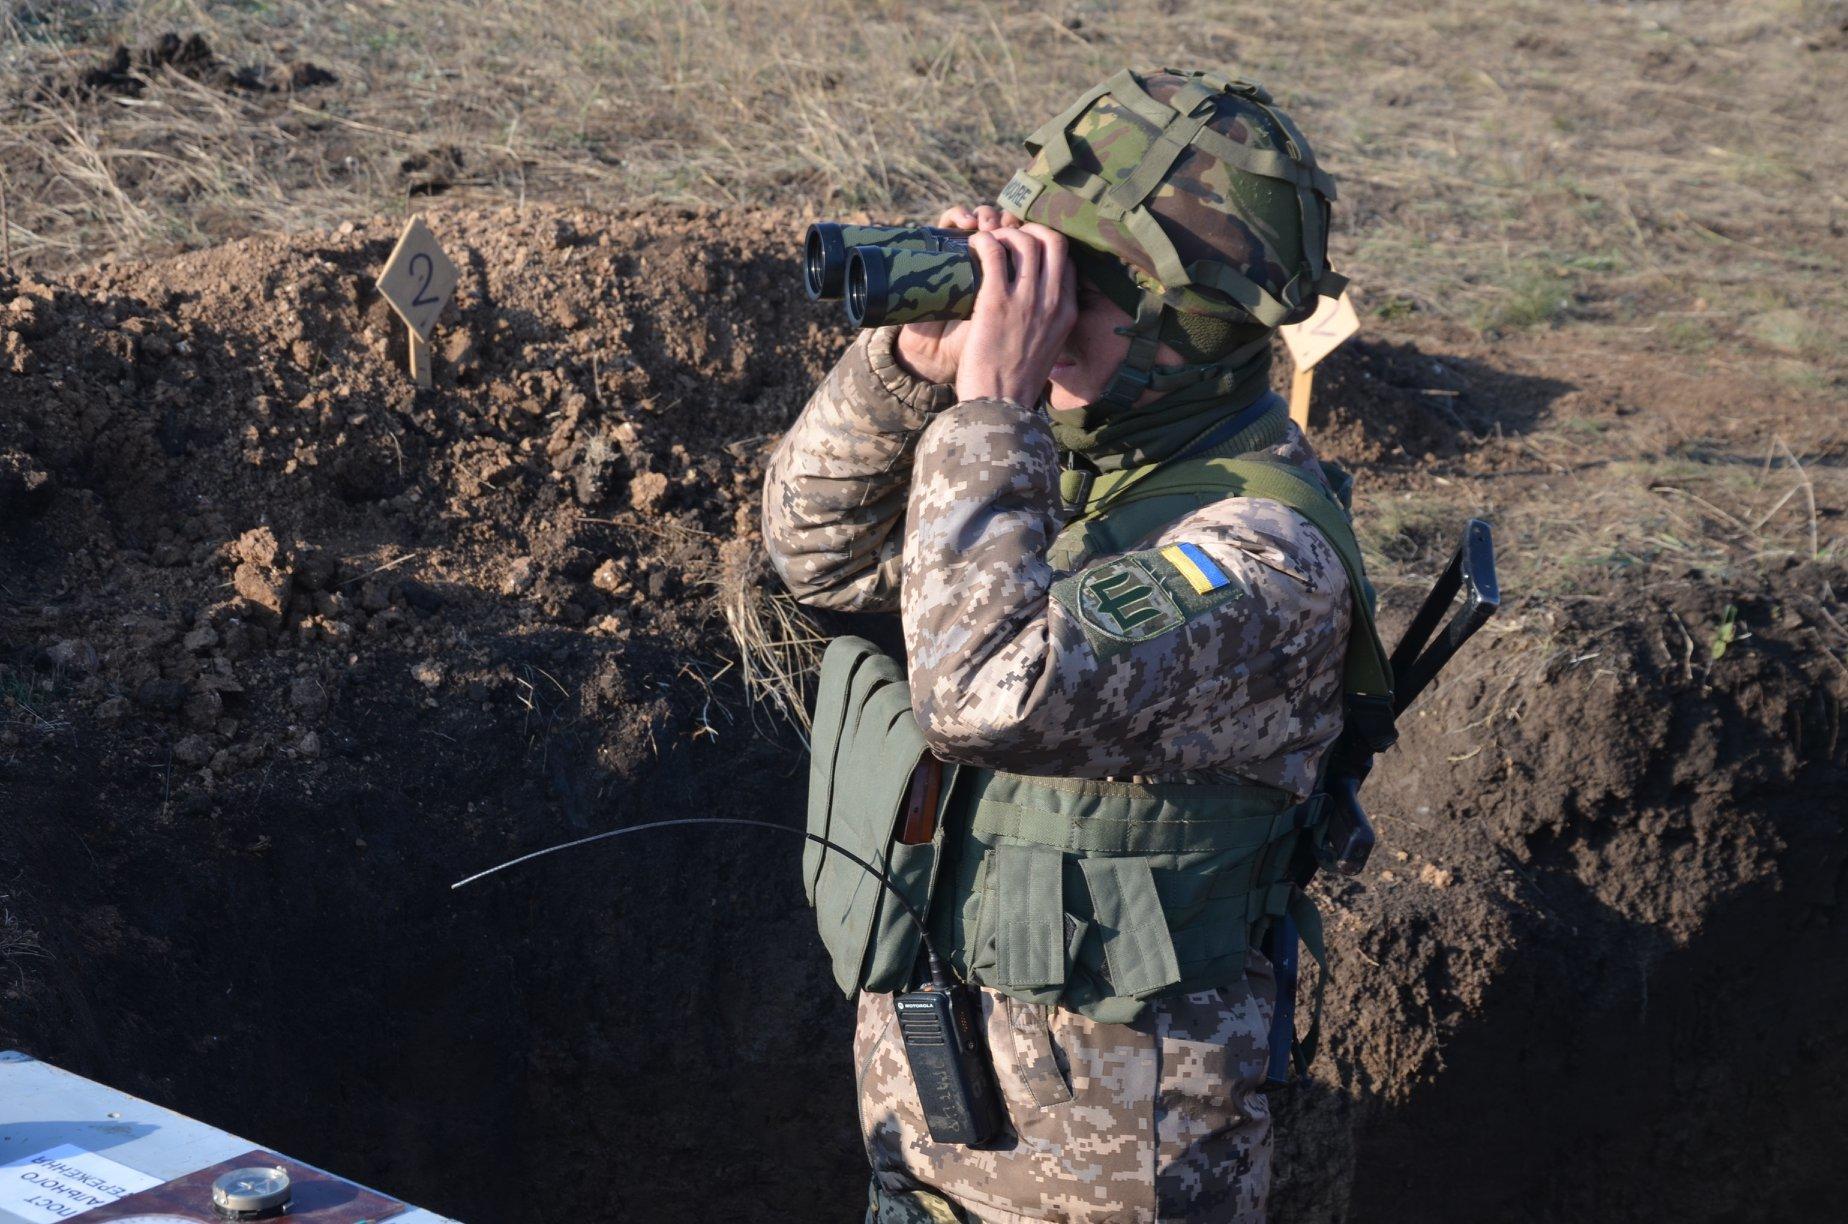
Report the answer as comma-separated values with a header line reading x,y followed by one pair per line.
x,y
1192,202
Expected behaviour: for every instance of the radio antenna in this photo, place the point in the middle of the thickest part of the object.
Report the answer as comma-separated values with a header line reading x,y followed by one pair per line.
x,y
939,976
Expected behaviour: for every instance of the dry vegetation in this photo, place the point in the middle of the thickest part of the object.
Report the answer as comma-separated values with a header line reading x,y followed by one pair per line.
x,y
1675,169
1656,178
1599,251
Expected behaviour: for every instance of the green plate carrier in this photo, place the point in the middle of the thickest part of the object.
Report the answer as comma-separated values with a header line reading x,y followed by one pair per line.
x,y
1095,895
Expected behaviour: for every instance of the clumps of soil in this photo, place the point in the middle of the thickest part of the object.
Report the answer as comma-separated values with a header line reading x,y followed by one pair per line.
x,y
125,71
1381,402
434,171
24,487
287,646
244,463
271,614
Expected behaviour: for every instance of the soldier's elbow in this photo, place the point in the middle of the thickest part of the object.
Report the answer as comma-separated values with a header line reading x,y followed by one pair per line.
x,y
807,583
953,736
828,598
825,587
944,737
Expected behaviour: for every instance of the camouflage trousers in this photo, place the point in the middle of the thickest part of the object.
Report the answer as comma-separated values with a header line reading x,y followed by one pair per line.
x,y
1145,1123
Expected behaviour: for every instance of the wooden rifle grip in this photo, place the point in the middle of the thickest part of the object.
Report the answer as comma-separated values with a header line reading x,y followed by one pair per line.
x,y
920,823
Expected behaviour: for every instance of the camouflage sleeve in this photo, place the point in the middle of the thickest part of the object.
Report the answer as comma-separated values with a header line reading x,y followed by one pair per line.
x,y
1220,647
834,492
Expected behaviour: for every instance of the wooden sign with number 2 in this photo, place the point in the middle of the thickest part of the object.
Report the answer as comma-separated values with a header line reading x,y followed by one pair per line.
x,y
1313,339
417,280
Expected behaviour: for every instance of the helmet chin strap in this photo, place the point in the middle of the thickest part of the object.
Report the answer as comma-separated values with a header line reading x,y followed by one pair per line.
x,y
1136,372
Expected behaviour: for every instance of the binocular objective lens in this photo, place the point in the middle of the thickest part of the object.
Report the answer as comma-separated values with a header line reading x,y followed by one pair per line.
x,y
856,290
814,266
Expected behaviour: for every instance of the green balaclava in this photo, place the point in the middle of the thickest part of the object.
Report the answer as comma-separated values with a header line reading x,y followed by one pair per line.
x,y
1195,205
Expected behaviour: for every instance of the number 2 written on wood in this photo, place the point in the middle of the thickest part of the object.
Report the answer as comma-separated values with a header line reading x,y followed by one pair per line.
x,y
1322,332
418,278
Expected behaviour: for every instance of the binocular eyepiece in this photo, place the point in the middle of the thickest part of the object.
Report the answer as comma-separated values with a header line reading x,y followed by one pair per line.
x,y
891,273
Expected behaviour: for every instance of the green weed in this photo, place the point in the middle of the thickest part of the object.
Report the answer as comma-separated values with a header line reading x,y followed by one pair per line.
x,y
1688,336
1531,298
1724,634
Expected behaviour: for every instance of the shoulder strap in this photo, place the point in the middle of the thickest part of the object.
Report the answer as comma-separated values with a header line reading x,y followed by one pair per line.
x,y
1367,670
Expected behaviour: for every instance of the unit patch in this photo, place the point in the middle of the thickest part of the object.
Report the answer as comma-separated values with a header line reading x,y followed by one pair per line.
x,y
1142,595
1125,600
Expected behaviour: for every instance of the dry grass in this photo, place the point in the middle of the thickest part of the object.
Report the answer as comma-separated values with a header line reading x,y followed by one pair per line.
x,y
779,646
1666,174
1659,519
17,941
1595,528
1501,167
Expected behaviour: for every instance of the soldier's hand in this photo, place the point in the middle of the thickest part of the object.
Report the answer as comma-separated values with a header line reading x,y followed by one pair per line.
x,y
982,217
929,350
1023,312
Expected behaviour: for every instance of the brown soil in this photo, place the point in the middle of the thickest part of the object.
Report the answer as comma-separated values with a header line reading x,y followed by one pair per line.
x,y
126,71
288,646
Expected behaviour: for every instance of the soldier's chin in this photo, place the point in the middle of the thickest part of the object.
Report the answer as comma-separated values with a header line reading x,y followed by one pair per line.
x,y
1063,396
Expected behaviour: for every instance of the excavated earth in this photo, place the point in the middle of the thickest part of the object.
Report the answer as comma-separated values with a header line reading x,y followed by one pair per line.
x,y
288,646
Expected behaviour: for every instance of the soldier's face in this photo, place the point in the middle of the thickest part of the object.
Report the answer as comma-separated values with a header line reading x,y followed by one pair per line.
x,y
1092,352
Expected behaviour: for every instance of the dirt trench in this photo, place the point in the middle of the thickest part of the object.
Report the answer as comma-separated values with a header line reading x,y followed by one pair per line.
x,y
289,646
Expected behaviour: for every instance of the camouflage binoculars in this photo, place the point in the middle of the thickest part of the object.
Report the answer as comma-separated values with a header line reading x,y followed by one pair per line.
x,y
891,273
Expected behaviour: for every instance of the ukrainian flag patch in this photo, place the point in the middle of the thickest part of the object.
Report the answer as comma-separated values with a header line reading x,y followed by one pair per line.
x,y
1202,574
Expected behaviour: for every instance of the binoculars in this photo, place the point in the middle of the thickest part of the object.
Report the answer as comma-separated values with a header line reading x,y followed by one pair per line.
x,y
891,273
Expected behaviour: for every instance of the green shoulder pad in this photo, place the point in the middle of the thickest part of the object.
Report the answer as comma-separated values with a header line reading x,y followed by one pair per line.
x,y
1367,669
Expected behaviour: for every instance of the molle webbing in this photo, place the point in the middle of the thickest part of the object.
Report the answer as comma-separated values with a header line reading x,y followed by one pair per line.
x,y
1101,895
1098,817
1178,127
1213,476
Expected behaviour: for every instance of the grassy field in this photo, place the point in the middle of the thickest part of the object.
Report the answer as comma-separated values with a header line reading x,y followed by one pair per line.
x,y
1645,201
1665,170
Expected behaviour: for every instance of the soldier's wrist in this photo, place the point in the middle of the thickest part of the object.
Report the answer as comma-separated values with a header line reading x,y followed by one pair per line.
x,y
920,357
908,388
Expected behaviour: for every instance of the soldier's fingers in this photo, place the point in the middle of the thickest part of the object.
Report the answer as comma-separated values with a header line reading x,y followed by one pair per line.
x,y
1025,250
1051,239
1061,280
956,217
988,217
1055,258
991,257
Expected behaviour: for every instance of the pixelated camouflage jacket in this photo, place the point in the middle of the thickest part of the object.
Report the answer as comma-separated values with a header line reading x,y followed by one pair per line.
x,y
887,492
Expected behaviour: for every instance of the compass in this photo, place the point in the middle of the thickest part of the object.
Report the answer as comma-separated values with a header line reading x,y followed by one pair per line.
x,y
257,1193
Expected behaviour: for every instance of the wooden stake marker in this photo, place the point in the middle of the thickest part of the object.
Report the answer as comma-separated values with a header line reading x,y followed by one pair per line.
x,y
419,359
418,280
1311,340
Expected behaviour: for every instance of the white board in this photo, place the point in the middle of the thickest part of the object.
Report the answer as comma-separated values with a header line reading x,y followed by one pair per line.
x,y
65,1181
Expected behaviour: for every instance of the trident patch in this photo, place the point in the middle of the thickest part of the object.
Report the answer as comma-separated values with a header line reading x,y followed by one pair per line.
x,y
1124,600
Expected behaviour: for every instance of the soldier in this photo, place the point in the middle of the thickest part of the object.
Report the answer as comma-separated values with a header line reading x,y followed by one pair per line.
x,y
1127,685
